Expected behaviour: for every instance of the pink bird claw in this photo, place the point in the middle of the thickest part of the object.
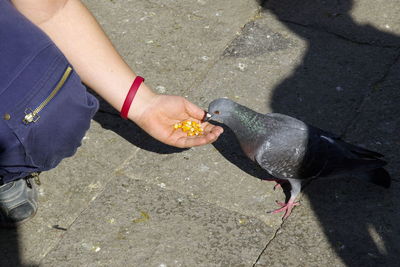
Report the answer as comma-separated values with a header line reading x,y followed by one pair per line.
x,y
286,207
282,204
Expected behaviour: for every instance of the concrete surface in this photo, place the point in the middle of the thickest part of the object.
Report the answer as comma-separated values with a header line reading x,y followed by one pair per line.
x,y
127,200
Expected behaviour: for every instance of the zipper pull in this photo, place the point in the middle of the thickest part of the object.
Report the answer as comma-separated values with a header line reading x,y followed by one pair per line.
x,y
30,116
33,115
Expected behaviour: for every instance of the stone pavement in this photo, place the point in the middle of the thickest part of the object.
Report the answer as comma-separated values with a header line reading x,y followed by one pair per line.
x,y
127,200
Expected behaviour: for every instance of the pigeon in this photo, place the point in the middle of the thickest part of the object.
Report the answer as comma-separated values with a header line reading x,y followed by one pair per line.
x,y
291,150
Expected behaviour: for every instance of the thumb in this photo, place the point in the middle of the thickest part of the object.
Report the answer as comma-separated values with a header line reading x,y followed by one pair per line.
x,y
194,110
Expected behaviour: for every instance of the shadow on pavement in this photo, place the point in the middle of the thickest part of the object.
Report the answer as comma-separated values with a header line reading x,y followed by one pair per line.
x,y
344,63
229,147
10,249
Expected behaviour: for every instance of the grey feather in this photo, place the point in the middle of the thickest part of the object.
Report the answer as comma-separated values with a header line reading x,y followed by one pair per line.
x,y
290,149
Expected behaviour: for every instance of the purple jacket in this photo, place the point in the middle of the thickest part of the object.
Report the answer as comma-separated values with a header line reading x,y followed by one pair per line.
x,y
45,110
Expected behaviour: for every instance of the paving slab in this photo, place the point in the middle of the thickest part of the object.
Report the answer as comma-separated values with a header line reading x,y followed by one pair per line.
x,y
140,225
65,192
172,43
205,174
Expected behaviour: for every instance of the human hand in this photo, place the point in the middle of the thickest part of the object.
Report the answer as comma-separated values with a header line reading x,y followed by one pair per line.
x,y
159,115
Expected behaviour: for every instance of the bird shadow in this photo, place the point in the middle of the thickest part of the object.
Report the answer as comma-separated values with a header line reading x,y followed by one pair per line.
x,y
230,149
346,67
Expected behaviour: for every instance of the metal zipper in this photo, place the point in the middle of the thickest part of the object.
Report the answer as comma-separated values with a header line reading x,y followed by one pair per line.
x,y
33,115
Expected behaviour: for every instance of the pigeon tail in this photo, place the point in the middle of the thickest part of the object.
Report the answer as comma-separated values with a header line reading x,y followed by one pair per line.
x,y
352,166
378,176
360,151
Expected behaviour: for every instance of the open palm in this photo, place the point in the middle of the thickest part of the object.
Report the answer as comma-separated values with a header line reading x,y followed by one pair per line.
x,y
164,111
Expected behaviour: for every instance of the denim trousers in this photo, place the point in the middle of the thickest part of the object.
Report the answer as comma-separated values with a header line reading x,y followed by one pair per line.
x,y
45,110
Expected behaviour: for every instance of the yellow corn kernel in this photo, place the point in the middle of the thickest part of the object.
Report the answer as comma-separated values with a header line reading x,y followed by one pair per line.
x,y
185,128
191,127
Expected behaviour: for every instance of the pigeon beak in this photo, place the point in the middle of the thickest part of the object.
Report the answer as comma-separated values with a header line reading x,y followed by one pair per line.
x,y
207,117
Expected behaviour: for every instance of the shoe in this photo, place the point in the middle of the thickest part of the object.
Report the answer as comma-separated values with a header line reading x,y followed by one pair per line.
x,y
18,202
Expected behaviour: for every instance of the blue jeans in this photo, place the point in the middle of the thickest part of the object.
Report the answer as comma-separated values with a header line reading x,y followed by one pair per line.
x,y
45,110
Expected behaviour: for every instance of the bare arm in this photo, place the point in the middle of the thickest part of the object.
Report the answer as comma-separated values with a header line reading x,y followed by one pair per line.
x,y
76,32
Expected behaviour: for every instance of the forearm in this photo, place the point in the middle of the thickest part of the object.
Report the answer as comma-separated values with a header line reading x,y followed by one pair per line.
x,y
76,32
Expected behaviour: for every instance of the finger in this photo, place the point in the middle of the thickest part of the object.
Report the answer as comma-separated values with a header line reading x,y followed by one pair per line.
x,y
208,127
194,111
208,138
185,142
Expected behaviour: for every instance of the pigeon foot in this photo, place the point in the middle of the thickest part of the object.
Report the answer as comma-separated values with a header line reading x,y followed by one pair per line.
x,y
286,207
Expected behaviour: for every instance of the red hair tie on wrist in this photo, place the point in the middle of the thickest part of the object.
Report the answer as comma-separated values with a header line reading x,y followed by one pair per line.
x,y
130,96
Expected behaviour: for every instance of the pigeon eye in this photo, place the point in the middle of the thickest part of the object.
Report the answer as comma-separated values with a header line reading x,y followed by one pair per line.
x,y
216,112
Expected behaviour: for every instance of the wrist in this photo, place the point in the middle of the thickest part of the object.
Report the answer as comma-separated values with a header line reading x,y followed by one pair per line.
x,y
143,99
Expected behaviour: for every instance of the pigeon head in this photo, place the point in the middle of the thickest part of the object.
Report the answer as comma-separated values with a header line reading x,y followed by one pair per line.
x,y
220,109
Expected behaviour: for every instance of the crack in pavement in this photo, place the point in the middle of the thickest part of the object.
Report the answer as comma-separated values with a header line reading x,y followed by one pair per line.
x,y
280,227
268,243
